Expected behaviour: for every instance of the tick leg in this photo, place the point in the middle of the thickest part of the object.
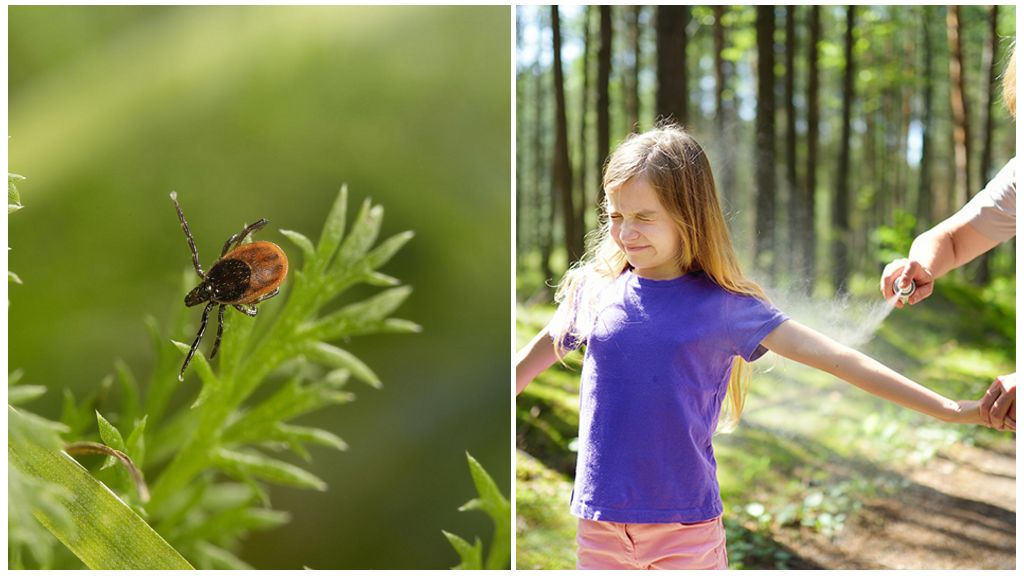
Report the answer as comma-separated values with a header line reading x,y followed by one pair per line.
x,y
267,296
195,343
237,238
246,309
188,236
220,331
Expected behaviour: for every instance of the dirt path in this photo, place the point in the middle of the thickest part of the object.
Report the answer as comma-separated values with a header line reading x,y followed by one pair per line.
x,y
958,512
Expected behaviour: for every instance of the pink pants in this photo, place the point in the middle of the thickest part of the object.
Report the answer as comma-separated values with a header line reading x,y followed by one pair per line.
x,y
617,546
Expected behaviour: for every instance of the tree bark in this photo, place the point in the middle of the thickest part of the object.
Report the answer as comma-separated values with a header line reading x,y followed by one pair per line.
x,y
790,203
604,70
841,199
671,101
809,237
764,163
562,172
924,189
632,77
582,146
958,100
983,272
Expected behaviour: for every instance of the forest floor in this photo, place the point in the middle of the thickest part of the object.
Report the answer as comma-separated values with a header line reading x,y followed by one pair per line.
x,y
957,512
819,474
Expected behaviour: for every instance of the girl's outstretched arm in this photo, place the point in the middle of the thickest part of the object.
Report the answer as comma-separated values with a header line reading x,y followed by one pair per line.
x,y
534,358
807,346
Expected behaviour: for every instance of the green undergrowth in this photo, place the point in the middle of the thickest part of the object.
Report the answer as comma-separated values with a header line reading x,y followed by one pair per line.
x,y
208,461
810,449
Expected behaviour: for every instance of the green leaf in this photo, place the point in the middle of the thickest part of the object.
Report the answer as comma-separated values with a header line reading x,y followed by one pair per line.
x,y
338,358
110,435
12,277
388,248
494,504
13,198
121,541
253,464
24,394
471,555
364,233
358,318
334,229
291,400
303,243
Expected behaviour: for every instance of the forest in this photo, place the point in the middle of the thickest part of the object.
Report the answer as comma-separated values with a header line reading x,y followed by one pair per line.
x,y
836,133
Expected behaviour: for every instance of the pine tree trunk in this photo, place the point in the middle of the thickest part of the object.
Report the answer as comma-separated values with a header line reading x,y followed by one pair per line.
x,y
924,189
672,93
604,70
632,77
791,207
983,273
562,172
809,193
764,156
958,100
841,199
584,163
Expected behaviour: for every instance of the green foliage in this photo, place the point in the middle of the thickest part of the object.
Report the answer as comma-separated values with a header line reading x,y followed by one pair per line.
x,y
495,505
893,241
212,458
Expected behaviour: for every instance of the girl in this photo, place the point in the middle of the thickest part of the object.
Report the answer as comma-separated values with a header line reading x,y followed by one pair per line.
x,y
670,323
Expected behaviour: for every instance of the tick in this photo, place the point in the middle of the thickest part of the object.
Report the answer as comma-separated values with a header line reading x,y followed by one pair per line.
x,y
243,276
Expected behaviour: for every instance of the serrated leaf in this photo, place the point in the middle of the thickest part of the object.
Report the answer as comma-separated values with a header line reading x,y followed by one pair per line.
x,y
359,317
364,233
311,436
252,464
338,358
492,502
334,229
291,400
202,368
303,243
471,555
387,249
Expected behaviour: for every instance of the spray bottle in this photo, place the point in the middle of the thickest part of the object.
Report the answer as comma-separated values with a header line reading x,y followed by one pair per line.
x,y
903,293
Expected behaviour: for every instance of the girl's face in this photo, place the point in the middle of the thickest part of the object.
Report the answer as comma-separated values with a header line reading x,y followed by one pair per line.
x,y
644,230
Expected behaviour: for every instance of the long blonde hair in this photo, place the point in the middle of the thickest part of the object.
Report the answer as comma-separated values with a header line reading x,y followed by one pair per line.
x,y
675,166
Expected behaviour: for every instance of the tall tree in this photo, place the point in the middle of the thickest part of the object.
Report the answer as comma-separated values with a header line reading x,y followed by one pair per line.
x,y
604,71
764,156
841,199
958,100
632,76
723,113
791,205
671,100
983,272
562,171
924,188
584,158
808,236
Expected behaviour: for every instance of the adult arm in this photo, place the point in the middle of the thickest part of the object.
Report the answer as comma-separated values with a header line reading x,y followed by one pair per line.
x,y
802,344
949,245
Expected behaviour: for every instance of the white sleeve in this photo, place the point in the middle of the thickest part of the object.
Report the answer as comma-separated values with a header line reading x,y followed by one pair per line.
x,y
993,211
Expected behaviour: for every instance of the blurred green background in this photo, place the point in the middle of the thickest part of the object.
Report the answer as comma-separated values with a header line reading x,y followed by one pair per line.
x,y
265,112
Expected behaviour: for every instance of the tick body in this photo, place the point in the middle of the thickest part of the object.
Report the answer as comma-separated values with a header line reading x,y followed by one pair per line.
x,y
243,276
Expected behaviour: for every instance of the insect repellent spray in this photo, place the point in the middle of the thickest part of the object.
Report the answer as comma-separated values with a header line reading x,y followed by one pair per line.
x,y
904,293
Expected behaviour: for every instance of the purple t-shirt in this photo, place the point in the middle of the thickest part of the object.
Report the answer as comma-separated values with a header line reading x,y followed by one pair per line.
x,y
656,370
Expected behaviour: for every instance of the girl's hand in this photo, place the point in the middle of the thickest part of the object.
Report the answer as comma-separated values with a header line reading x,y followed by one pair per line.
x,y
968,412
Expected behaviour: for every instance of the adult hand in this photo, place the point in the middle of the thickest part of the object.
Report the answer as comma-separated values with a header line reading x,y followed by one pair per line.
x,y
999,404
903,271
